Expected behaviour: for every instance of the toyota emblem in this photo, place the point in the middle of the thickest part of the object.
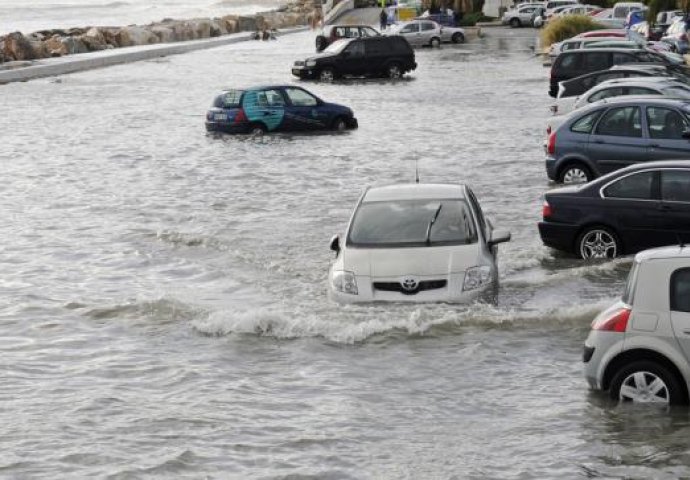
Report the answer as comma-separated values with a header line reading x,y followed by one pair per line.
x,y
409,284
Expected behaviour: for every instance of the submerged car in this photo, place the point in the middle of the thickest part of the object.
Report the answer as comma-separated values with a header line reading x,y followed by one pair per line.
x,y
638,207
638,348
275,108
416,243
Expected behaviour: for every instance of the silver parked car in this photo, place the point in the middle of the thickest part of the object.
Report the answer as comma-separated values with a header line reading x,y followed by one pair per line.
x,y
638,348
520,16
420,32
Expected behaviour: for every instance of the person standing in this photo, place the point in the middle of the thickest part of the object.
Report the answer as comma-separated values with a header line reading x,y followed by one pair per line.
x,y
383,19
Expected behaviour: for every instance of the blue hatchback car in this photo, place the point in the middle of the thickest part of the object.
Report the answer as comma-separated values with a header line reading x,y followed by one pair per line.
x,y
275,108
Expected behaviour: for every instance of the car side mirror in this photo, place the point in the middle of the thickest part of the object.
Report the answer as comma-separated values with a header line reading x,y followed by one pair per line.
x,y
685,134
335,244
498,236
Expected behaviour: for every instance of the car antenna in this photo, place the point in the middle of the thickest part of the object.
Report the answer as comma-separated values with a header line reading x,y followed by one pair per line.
x,y
416,170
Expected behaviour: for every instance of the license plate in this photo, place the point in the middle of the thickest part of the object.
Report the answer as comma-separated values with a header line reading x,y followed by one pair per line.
x,y
220,116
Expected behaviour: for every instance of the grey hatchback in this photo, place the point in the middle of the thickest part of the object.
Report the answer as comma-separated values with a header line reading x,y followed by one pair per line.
x,y
617,132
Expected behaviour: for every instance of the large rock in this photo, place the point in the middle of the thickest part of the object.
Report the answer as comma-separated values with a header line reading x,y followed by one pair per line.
x,y
218,27
247,24
231,22
74,45
183,31
93,39
164,33
18,47
201,27
55,47
135,35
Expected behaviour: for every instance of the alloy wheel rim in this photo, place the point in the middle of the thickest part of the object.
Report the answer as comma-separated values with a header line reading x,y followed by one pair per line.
x,y
598,244
574,175
340,126
644,387
394,72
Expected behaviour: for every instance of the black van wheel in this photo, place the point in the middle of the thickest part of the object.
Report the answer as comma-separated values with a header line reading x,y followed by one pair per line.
x,y
327,74
393,71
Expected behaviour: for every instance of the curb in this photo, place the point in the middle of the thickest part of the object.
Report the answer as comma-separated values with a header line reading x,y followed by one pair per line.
x,y
105,58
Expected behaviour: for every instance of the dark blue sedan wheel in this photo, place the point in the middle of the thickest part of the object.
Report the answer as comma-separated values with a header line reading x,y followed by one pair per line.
x,y
598,243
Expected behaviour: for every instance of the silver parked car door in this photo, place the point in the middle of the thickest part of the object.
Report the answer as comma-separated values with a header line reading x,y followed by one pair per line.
x,y
412,34
619,139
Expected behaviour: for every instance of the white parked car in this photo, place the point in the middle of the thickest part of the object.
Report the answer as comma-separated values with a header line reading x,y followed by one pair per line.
x,y
419,32
638,348
416,243
520,16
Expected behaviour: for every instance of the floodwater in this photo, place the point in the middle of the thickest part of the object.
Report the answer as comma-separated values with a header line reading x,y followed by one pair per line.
x,y
164,310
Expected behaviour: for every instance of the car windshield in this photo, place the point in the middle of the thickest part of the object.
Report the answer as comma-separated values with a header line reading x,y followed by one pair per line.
x,y
337,46
412,223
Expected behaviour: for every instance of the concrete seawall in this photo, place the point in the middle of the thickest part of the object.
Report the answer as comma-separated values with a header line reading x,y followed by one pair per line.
x,y
50,67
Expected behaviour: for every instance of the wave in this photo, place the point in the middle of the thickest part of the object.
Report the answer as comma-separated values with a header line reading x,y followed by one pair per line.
x,y
357,324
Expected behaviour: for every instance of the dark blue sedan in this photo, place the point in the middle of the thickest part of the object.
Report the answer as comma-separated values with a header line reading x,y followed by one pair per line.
x,y
275,108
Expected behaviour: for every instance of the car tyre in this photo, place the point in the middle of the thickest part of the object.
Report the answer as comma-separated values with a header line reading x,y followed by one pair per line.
x,y
257,129
598,242
435,42
646,381
339,124
327,74
457,38
394,71
575,173
515,23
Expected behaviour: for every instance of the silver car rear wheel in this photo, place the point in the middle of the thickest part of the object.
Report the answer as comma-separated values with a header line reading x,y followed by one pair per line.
x,y
643,387
646,381
598,243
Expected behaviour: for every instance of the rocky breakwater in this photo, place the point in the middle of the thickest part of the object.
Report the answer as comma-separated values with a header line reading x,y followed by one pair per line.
x,y
17,46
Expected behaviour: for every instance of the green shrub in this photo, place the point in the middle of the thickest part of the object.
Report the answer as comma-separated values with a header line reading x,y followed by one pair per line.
x,y
471,19
566,27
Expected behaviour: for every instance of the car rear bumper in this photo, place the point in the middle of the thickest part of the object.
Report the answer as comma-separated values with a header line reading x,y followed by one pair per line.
x,y
560,236
352,123
550,164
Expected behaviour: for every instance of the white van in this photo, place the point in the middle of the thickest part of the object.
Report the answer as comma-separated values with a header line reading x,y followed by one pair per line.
x,y
549,5
622,9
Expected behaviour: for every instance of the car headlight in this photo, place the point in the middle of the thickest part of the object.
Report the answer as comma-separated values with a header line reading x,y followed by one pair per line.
x,y
345,282
476,277
311,63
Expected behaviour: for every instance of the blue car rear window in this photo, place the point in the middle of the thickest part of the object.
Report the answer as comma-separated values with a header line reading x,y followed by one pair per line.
x,y
228,99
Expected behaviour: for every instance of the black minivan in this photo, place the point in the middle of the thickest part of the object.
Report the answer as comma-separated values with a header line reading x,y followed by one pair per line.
x,y
573,63
387,56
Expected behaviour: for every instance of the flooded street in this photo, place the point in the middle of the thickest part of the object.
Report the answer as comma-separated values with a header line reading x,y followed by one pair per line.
x,y
164,310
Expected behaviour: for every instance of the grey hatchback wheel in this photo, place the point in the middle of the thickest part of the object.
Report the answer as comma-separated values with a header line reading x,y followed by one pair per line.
x,y
646,382
598,242
515,22
575,173
457,37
